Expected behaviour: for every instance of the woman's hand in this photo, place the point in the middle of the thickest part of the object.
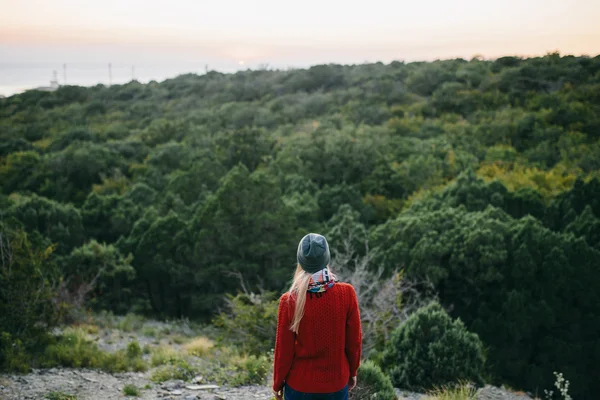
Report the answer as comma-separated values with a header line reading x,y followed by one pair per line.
x,y
278,395
351,384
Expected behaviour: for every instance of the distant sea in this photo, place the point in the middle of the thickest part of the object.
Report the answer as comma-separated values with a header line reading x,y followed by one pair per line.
x,y
16,78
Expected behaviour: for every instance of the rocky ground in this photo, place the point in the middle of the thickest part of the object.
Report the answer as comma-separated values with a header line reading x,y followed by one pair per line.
x,y
114,333
97,385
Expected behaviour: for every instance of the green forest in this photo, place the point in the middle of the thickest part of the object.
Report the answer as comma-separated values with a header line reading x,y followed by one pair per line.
x,y
479,180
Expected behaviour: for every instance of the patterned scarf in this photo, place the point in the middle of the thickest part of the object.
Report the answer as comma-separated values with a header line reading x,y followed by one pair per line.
x,y
320,281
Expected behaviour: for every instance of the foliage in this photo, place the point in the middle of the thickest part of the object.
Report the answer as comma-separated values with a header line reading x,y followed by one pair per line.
x,y
463,391
562,385
27,311
372,383
486,265
162,355
14,357
96,271
250,323
131,390
477,179
430,349
179,369
74,349
199,347
251,370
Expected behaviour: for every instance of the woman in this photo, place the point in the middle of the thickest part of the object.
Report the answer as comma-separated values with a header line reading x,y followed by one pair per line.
x,y
318,345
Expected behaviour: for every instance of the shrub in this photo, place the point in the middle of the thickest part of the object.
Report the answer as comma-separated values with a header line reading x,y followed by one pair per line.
x,y
250,322
180,369
149,331
199,347
457,392
27,311
251,370
178,339
162,355
72,349
372,384
430,349
131,323
134,350
13,353
60,396
131,390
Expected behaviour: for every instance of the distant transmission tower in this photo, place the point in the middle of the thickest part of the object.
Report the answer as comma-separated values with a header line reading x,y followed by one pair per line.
x,y
109,74
64,74
133,72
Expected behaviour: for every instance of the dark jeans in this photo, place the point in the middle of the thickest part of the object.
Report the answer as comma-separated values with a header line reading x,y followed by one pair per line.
x,y
291,394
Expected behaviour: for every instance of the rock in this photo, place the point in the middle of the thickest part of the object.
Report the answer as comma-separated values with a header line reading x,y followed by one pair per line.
x,y
197,379
172,385
176,392
190,397
201,387
493,393
406,395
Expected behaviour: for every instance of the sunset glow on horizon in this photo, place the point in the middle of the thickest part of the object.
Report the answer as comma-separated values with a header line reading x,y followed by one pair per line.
x,y
295,33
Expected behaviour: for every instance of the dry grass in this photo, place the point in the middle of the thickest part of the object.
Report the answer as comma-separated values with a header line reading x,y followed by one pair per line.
x,y
165,355
199,347
459,392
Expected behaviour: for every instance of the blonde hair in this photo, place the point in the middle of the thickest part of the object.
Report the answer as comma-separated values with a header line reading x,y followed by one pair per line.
x,y
298,293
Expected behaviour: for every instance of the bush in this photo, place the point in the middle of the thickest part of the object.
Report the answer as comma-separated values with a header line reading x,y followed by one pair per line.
x,y
430,350
27,310
250,323
180,369
162,355
134,350
13,353
372,384
199,347
251,370
73,349
131,390
457,392
60,396
131,323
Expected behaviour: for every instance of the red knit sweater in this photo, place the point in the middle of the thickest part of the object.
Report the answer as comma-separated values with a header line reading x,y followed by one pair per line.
x,y
325,353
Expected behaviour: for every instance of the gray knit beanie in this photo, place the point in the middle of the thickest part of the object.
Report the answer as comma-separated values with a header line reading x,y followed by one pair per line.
x,y
313,253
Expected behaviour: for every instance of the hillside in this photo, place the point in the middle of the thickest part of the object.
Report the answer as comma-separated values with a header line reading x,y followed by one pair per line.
x,y
478,179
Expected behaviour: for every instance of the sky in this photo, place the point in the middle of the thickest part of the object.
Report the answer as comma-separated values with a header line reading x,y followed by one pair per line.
x,y
228,33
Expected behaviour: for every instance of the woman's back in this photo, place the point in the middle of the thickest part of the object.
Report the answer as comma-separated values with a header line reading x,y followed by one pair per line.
x,y
325,352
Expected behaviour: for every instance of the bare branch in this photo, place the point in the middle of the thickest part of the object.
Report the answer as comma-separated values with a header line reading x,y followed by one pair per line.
x,y
238,274
386,301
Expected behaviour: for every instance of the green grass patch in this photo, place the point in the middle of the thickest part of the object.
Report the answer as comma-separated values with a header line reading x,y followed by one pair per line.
x,y
162,355
149,331
130,323
60,396
462,391
178,370
250,370
131,390
73,349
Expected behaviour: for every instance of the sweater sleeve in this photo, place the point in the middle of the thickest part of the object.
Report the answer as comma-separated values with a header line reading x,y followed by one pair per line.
x,y
284,345
353,334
